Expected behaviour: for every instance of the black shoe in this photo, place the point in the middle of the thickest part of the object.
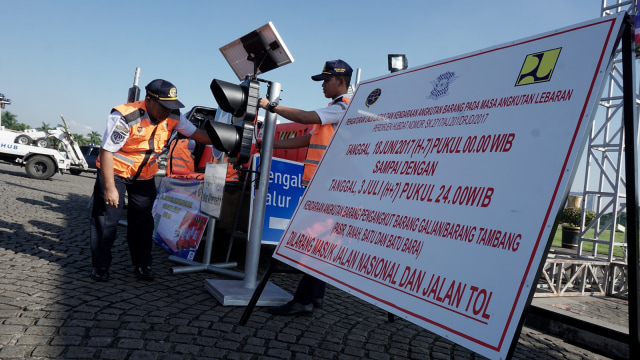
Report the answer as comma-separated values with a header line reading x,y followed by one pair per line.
x,y
317,303
144,272
292,308
100,274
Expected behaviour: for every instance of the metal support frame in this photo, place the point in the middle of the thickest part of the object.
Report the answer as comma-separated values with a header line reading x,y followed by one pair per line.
x,y
193,266
631,164
605,182
239,293
612,161
618,281
567,277
604,165
624,140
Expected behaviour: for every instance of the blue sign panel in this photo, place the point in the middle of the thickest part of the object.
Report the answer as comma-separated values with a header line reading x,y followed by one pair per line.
x,y
283,196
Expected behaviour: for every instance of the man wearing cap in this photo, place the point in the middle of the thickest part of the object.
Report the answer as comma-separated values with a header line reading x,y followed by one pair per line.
x,y
335,77
128,160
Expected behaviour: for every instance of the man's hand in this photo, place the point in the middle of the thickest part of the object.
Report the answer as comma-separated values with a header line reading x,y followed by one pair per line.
x,y
111,195
295,115
263,103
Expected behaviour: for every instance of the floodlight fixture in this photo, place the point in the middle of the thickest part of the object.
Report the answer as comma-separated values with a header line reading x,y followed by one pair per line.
x,y
4,101
397,62
257,52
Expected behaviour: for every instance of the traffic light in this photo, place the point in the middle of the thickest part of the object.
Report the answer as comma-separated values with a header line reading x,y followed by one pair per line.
x,y
241,101
235,140
238,100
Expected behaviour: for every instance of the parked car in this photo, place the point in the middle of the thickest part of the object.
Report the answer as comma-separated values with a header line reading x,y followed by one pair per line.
x,y
90,153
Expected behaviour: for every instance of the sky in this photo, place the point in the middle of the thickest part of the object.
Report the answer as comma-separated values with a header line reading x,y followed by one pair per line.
x,y
78,58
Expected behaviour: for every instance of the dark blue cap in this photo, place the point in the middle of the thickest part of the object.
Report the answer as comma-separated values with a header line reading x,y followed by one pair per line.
x,y
165,93
333,68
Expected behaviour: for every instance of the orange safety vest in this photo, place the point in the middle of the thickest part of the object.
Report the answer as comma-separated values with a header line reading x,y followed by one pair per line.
x,y
318,144
234,175
181,160
207,156
138,157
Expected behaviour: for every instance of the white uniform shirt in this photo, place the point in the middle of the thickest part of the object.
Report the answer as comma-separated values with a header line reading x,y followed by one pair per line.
x,y
115,122
332,114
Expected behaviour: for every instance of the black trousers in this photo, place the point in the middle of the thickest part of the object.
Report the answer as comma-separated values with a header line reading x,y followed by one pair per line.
x,y
104,221
309,288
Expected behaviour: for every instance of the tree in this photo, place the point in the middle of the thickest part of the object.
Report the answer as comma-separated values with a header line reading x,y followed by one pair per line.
x,y
44,127
81,139
95,138
10,121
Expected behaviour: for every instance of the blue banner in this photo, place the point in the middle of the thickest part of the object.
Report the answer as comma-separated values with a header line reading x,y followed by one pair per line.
x,y
285,191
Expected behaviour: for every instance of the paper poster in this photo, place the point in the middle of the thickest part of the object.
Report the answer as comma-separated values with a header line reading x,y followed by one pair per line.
x,y
213,188
179,224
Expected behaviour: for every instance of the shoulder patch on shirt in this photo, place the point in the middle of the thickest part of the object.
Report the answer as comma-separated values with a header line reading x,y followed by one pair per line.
x,y
119,134
122,129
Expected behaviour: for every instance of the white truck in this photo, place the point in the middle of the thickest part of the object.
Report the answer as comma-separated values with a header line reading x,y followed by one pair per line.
x,y
42,162
28,137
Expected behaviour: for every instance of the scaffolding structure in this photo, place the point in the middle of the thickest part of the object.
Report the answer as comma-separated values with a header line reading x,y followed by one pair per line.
x,y
604,184
580,272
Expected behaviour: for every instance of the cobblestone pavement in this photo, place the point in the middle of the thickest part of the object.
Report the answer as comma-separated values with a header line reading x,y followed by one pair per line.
x,y
51,309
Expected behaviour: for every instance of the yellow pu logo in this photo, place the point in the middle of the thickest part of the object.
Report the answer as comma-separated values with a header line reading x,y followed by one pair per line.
x,y
538,67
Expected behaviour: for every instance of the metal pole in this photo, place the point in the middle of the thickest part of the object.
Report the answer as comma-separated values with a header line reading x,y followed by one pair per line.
x,y
136,77
259,205
630,154
217,268
209,244
134,91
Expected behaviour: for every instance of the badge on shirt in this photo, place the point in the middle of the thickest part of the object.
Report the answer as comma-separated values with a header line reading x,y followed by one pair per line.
x,y
119,134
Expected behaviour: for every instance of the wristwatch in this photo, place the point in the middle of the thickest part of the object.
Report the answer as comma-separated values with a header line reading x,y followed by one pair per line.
x,y
272,107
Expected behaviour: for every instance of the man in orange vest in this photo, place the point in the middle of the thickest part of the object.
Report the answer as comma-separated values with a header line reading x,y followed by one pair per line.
x,y
128,160
335,77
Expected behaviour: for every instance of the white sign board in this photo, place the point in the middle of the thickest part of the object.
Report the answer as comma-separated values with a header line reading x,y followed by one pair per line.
x,y
439,189
213,189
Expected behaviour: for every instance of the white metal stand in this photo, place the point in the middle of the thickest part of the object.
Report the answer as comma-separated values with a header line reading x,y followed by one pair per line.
x,y
238,293
193,266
